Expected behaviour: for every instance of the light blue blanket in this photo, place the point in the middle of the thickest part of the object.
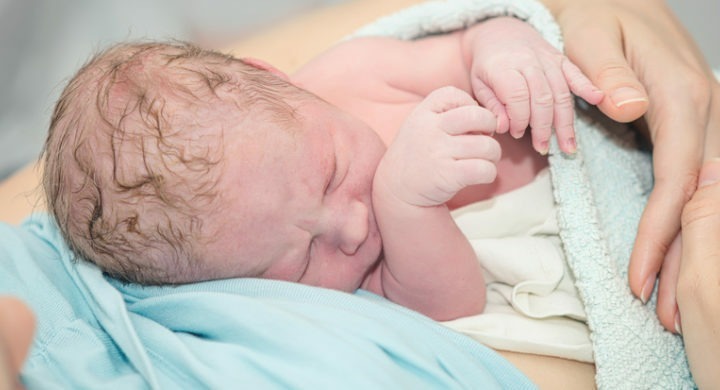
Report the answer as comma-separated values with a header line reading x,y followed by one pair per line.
x,y
244,333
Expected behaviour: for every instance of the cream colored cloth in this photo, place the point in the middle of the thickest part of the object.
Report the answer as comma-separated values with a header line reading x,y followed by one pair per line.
x,y
532,303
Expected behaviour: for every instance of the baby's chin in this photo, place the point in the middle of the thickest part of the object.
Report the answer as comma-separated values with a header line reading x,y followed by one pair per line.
x,y
353,278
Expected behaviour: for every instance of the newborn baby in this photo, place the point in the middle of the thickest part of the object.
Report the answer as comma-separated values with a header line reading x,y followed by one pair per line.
x,y
167,164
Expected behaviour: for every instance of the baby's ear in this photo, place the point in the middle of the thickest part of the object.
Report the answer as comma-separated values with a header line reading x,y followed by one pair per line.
x,y
260,64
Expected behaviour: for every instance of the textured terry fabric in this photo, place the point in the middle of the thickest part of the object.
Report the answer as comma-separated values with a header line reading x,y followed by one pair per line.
x,y
601,192
94,332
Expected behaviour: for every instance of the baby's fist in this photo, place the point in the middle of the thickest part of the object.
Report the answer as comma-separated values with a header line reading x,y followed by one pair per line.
x,y
443,146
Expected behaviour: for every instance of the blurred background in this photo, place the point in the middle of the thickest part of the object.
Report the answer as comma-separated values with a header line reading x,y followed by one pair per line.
x,y
42,42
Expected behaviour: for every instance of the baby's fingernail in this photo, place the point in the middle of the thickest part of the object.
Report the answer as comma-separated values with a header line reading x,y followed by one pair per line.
x,y
570,145
678,327
543,147
597,93
517,134
710,176
626,95
647,289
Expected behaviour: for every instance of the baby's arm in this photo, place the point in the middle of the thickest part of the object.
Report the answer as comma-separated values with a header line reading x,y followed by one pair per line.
x,y
521,78
442,147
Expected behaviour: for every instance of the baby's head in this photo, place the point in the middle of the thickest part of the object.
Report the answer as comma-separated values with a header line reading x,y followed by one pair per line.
x,y
135,152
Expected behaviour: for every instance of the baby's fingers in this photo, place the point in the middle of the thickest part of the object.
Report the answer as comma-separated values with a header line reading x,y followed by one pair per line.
x,y
475,147
474,171
489,100
579,83
446,99
468,119
512,90
563,108
542,103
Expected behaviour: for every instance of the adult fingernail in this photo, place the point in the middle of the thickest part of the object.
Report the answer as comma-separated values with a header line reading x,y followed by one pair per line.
x,y
710,176
647,289
626,95
678,327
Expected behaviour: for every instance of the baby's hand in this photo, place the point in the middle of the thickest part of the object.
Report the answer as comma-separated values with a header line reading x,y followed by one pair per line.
x,y
443,146
523,80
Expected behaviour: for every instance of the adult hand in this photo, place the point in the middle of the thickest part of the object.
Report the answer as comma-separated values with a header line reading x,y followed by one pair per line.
x,y
698,290
16,329
648,66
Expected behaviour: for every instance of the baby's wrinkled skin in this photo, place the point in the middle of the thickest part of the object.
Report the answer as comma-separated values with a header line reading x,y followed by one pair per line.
x,y
341,190
194,166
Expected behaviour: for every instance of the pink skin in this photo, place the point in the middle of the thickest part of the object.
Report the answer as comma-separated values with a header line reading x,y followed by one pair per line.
x,y
320,172
649,67
695,278
443,147
526,82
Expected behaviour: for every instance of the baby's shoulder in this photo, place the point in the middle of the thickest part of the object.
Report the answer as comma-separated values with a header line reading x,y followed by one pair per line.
x,y
381,79
357,76
359,65
387,69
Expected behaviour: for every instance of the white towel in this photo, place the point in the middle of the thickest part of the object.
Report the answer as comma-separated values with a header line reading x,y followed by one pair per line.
x,y
532,303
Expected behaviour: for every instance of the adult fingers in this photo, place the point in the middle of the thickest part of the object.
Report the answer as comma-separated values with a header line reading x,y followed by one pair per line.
x,y
666,302
701,222
712,134
676,160
698,290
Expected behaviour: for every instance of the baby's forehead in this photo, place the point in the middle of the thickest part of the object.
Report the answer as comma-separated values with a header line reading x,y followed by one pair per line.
x,y
177,102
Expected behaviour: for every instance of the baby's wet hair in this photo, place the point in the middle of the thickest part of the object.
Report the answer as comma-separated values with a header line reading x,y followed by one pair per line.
x,y
134,153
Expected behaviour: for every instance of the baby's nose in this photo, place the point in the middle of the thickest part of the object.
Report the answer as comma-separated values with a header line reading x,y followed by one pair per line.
x,y
354,228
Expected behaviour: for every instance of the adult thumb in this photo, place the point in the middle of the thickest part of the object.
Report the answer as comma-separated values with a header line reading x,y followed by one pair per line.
x,y
597,49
